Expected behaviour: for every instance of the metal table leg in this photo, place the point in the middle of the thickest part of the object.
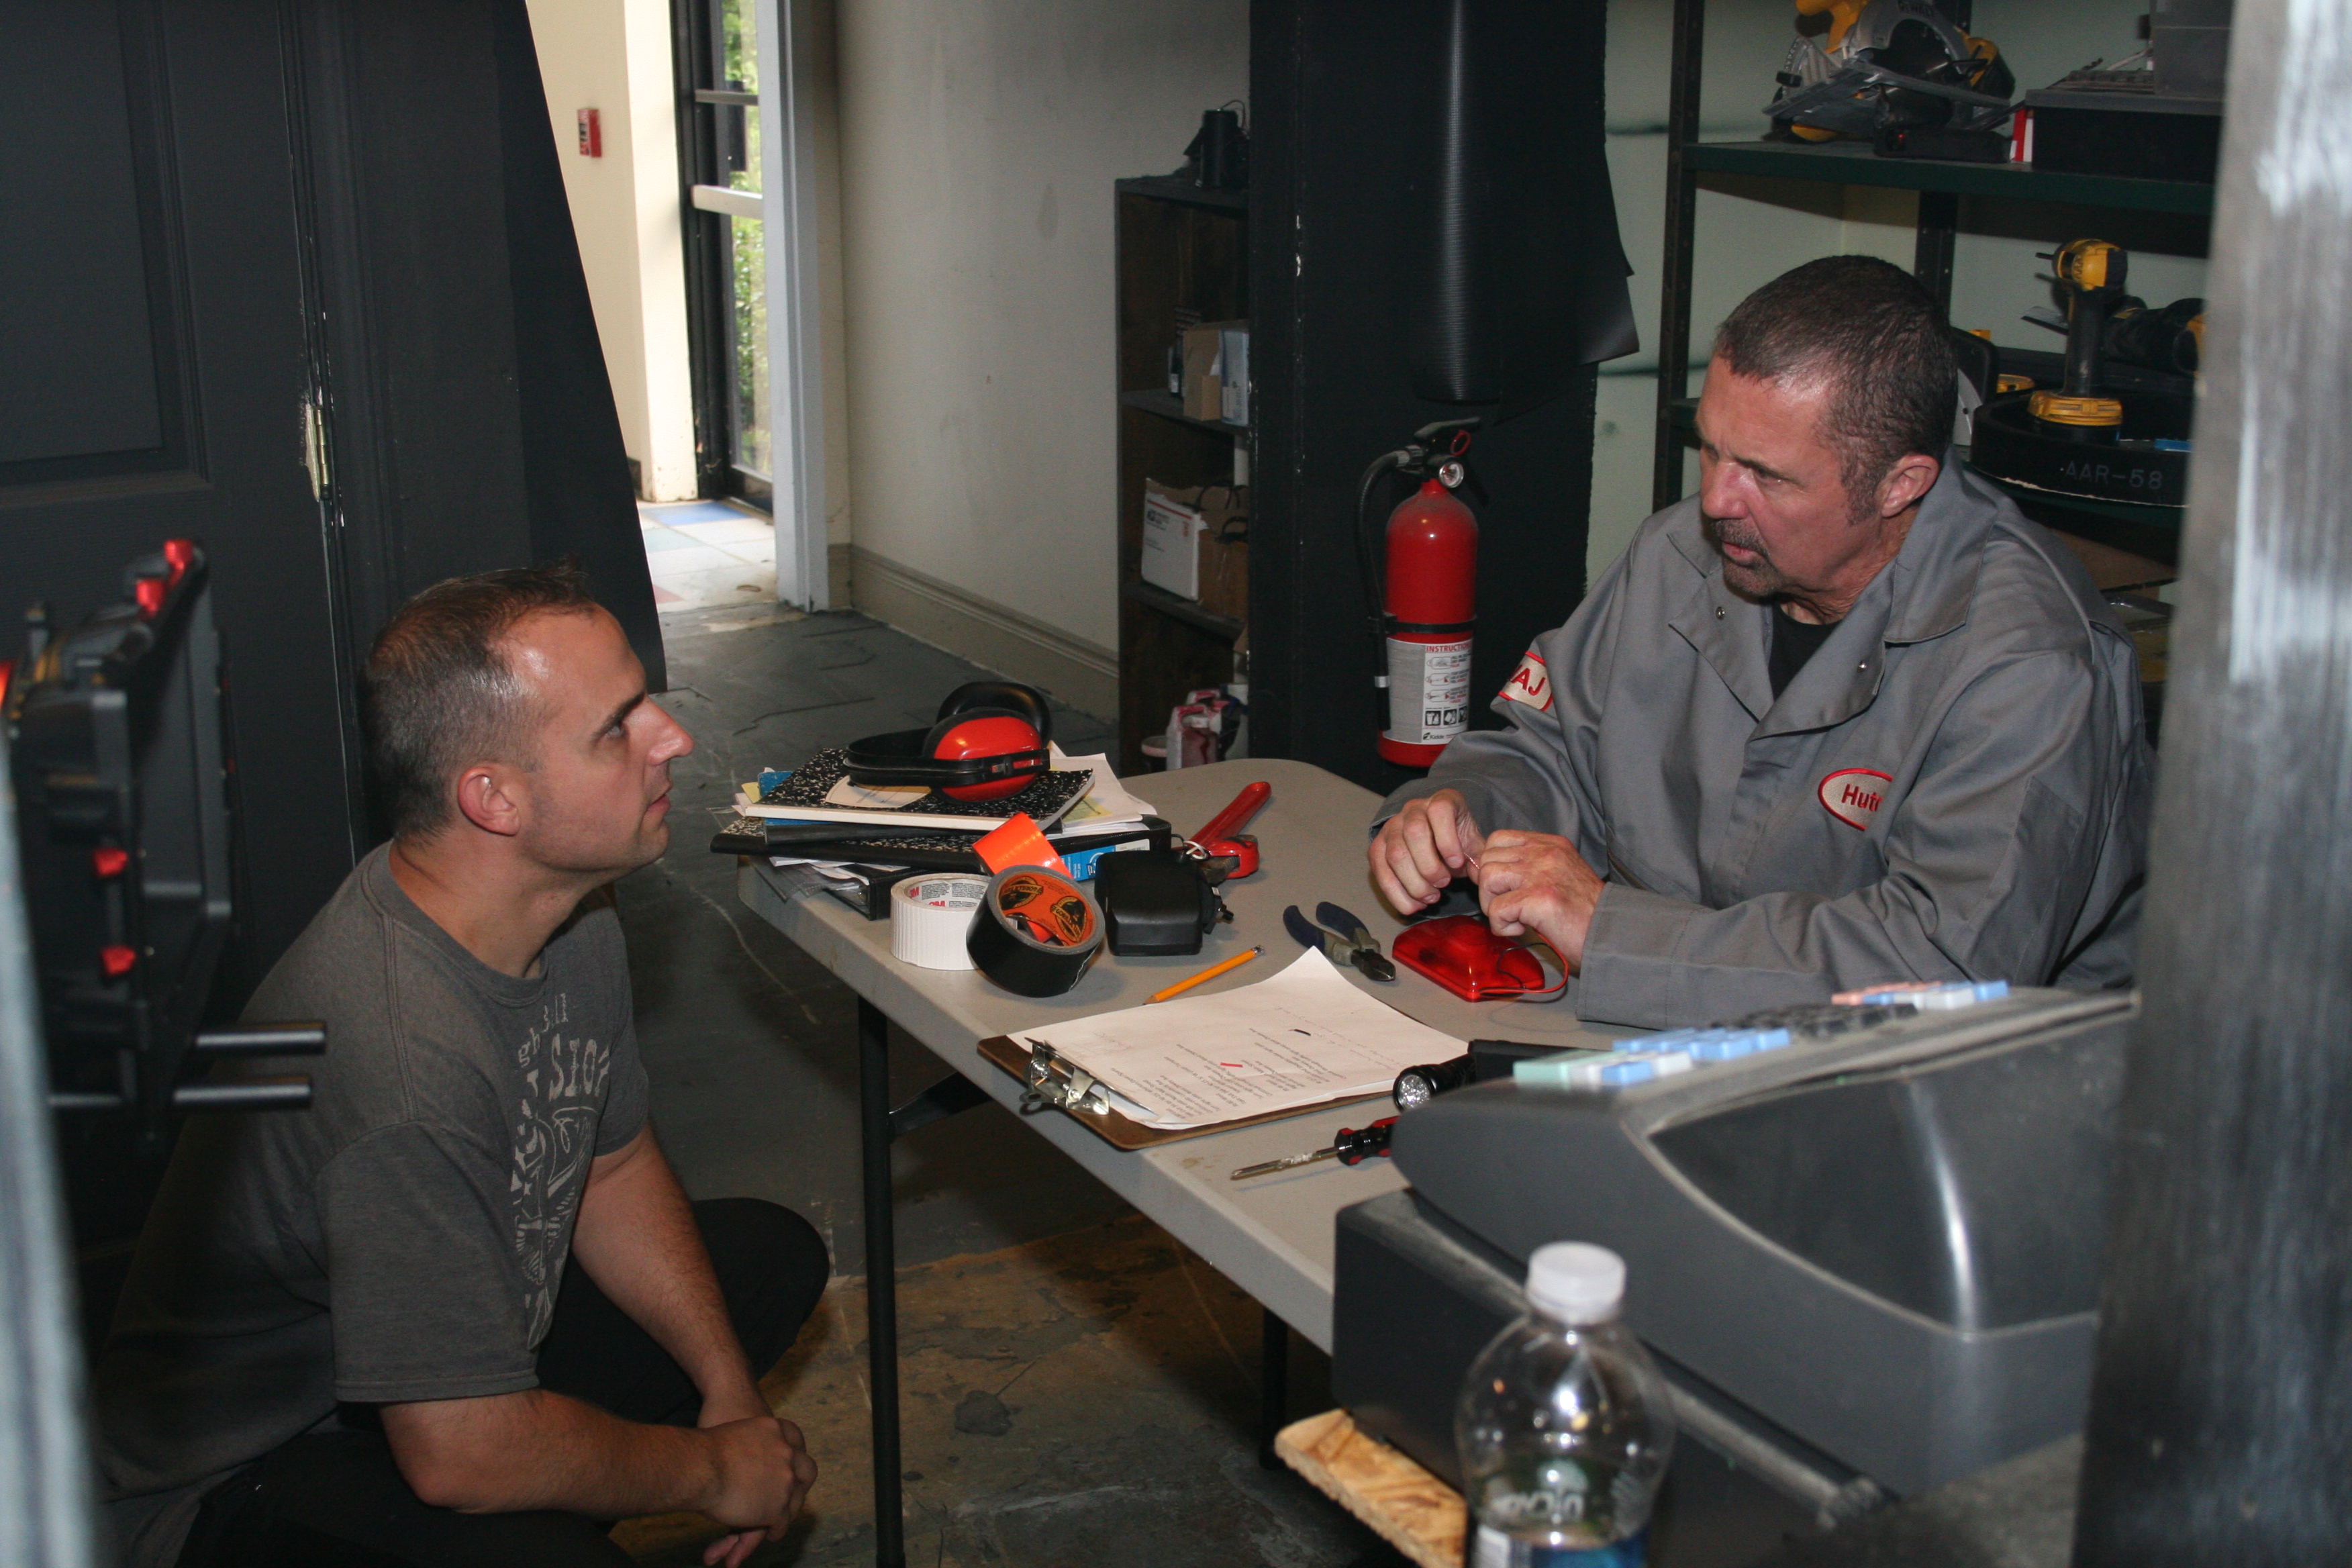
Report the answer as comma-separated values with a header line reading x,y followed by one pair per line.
x,y
881,1280
1273,1386
878,1127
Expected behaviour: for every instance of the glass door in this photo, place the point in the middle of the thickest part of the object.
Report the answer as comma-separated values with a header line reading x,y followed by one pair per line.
x,y
718,61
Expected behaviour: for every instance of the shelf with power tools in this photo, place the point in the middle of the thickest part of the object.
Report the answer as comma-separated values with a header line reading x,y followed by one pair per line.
x,y
1185,438
2091,439
1860,163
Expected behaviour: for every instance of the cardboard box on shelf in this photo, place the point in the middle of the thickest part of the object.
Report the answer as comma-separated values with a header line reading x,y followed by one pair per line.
x,y
1196,544
1209,369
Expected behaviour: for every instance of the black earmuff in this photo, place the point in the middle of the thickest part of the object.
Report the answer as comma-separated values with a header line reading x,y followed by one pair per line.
x,y
990,738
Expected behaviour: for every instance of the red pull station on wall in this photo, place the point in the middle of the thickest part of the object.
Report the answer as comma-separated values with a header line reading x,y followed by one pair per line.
x,y
592,134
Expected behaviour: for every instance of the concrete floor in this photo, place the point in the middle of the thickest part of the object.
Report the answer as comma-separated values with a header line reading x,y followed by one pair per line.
x,y
1082,1400
1080,1389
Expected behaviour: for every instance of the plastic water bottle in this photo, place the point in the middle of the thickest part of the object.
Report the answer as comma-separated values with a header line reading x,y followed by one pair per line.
x,y
1564,1426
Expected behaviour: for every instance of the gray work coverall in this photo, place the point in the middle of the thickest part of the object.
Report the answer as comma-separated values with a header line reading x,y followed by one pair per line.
x,y
1955,785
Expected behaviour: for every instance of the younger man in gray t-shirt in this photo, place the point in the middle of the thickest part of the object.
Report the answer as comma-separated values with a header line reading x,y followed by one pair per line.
x,y
356,1325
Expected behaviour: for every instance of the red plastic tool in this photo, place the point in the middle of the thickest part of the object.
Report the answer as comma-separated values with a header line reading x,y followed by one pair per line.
x,y
1461,953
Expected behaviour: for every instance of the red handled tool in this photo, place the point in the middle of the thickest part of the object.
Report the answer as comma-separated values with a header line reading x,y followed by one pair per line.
x,y
1222,835
1245,806
1353,1146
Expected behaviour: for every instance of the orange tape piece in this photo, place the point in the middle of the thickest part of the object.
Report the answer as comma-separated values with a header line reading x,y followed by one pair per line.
x,y
1020,842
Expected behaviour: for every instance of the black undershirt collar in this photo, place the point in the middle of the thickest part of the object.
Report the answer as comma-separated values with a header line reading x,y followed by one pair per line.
x,y
1793,643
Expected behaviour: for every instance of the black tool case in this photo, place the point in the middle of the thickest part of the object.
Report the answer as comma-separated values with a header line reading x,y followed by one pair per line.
x,y
1155,903
2141,137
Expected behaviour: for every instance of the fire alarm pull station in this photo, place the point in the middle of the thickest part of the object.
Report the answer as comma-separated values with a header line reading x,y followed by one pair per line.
x,y
592,134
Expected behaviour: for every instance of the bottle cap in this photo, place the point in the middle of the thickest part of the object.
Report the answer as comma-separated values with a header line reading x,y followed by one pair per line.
x,y
1576,1282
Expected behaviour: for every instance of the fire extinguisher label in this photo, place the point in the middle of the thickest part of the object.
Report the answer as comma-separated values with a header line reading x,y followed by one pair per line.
x,y
1530,683
1429,692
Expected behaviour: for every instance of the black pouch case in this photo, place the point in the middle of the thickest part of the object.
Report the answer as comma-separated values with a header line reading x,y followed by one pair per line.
x,y
1154,902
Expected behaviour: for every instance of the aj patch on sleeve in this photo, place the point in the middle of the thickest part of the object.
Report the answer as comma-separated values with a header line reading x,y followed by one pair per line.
x,y
1530,683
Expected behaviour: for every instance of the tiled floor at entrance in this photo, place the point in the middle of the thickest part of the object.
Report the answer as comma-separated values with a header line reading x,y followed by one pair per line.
x,y
703,552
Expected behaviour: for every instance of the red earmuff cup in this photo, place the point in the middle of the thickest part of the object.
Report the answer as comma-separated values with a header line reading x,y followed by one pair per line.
x,y
994,736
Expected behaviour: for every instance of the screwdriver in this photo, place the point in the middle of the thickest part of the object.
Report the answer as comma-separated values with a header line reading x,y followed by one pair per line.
x,y
1353,1145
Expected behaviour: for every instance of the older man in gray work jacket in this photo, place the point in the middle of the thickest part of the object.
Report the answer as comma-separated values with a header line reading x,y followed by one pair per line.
x,y
1845,718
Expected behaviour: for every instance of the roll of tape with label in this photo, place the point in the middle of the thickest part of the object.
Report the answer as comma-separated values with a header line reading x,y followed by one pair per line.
x,y
931,916
1036,932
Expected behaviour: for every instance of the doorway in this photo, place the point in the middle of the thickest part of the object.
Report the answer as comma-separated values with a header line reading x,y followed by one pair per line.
x,y
718,63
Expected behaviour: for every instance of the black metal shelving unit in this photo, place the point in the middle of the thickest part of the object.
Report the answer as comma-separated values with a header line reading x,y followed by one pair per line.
x,y
2150,530
1168,405
1225,628
1852,163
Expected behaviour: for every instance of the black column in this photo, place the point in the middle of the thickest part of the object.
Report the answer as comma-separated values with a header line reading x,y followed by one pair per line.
x,y
1401,233
469,421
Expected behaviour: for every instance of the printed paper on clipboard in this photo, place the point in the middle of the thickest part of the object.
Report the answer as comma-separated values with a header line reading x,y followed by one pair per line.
x,y
1302,1038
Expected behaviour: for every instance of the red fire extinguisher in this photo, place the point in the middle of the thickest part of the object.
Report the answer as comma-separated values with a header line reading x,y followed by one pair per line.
x,y
1424,598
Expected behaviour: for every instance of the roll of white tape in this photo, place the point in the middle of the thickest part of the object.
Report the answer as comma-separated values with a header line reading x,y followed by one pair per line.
x,y
929,918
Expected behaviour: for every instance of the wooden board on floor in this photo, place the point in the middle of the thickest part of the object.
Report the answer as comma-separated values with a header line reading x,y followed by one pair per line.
x,y
1411,1510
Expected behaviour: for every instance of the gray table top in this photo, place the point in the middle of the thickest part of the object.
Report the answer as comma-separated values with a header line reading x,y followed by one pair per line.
x,y
1273,1235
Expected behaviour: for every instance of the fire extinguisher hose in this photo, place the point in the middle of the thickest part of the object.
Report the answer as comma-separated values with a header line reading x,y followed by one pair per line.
x,y
1367,561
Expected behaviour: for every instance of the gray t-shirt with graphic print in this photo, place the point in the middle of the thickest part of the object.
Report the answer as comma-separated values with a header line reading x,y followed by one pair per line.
x,y
399,1240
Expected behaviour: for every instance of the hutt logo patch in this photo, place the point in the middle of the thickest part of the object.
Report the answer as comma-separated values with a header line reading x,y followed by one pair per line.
x,y
1853,795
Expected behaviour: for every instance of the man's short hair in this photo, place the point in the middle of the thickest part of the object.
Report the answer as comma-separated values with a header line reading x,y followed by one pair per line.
x,y
438,692
1876,336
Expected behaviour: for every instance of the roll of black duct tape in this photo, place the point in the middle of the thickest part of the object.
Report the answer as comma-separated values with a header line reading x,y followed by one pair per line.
x,y
1037,932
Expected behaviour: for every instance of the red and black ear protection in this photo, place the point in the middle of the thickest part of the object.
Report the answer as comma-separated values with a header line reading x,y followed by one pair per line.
x,y
989,741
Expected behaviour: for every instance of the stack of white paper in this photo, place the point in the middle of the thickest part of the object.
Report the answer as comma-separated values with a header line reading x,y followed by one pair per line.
x,y
1107,806
1302,1038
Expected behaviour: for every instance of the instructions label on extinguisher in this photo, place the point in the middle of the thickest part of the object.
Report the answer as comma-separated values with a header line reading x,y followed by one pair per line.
x,y
1429,692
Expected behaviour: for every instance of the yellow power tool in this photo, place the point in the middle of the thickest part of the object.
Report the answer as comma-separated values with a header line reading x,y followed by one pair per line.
x,y
2090,277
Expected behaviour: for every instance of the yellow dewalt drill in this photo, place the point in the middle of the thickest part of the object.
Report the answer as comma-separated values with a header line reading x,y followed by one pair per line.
x,y
2090,276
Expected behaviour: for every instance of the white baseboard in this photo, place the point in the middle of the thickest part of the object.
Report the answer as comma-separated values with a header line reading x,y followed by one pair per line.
x,y
1083,674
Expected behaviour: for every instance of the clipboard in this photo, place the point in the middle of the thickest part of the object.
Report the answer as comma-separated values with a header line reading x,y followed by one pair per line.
x,y
1121,1132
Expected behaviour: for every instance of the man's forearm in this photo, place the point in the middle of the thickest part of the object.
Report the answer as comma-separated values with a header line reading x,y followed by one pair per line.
x,y
636,1238
535,1449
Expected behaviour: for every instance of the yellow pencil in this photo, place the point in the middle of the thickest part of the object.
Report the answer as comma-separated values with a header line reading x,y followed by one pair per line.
x,y
1236,962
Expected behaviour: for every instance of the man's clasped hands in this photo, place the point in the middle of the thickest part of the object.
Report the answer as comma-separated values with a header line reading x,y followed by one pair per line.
x,y
1529,884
